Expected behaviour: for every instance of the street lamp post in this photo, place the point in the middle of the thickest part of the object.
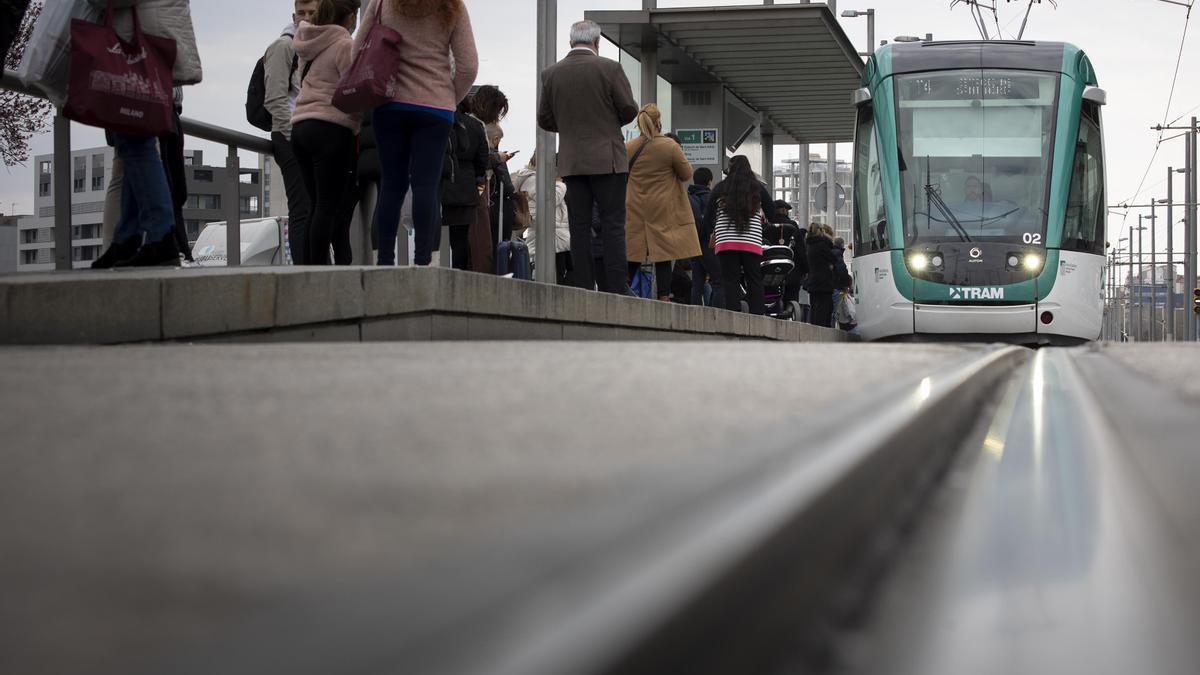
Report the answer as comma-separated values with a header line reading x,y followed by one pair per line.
x,y
870,14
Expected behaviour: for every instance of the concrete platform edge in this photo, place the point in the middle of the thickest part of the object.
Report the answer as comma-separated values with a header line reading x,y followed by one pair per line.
x,y
347,303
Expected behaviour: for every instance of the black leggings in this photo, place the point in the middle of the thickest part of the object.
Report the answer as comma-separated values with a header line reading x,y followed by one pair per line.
x,y
822,308
326,153
735,265
662,276
460,247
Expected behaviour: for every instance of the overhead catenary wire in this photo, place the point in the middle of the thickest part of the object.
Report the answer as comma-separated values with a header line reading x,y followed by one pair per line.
x,y
1170,99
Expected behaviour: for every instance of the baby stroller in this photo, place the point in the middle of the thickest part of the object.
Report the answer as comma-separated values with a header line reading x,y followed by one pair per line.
x,y
779,261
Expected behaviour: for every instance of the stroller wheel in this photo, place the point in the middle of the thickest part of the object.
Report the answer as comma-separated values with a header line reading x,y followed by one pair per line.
x,y
745,307
797,310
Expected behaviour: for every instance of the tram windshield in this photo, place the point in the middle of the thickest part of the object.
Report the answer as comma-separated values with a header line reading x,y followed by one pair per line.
x,y
975,149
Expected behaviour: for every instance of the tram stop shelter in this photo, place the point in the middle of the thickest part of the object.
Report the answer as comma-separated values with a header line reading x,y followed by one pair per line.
x,y
758,75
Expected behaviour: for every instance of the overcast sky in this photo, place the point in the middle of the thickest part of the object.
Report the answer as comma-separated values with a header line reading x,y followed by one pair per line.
x,y
1133,43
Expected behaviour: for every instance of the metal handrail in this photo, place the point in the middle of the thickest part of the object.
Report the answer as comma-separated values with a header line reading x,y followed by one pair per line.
x,y
233,140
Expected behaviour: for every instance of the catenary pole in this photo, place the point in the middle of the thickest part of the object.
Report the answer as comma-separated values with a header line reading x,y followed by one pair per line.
x,y
1188,197
1194,328
1153,273
547,164
1169,335
1141,291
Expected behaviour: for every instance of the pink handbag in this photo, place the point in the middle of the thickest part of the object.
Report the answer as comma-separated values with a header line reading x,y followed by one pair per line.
x,y
125,87
371,80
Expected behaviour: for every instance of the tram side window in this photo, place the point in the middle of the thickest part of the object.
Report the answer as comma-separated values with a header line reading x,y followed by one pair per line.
x,y
1084,227
869,214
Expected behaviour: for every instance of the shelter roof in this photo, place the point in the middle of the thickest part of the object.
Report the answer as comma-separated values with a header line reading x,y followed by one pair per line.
x,y
792,63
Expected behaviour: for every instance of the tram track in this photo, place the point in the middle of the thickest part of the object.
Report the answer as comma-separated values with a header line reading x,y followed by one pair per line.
x,y
747,565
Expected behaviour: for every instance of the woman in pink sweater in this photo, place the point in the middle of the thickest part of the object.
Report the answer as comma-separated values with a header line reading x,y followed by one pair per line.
x,y
323,137
440,64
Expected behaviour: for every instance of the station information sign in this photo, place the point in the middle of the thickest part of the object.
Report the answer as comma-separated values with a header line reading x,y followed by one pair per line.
x,y
700,146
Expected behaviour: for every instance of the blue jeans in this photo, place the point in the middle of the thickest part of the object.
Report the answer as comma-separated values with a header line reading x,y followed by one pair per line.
x,y
145,196
412,144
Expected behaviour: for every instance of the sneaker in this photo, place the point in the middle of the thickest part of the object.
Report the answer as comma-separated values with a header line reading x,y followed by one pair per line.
x,y
115,254
163,253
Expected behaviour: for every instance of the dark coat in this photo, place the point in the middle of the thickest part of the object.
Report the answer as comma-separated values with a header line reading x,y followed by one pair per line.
x,y
698,197
821,263
466,163
368,153
501,184
586,100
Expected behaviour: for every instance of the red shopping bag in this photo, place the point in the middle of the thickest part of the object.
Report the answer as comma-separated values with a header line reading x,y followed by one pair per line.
x,y
120,86
371,80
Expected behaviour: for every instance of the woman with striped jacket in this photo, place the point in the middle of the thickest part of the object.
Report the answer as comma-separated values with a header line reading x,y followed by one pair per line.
x,y
739,235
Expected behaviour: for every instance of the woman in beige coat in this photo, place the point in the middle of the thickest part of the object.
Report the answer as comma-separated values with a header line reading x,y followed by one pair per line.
x,y
659,226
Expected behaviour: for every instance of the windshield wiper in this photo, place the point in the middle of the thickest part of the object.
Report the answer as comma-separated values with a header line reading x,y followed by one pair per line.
x,y
936,199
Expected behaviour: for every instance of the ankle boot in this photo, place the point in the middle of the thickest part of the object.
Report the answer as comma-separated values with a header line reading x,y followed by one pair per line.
x,y
163,253
116,253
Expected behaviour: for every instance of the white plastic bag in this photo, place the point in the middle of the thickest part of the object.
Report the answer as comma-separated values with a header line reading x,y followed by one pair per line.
x,y
47,59
846,313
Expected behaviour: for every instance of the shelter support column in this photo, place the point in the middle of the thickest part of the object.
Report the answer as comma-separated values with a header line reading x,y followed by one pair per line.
x,y
831,186
649,93
547,160
804,216
768,161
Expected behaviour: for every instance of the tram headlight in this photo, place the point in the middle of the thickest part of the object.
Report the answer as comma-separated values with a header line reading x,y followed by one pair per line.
x,y
918,261
1033,262
1014,262
938,261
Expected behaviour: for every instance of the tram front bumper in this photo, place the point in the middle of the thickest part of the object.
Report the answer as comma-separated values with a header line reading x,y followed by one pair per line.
x,y
975,320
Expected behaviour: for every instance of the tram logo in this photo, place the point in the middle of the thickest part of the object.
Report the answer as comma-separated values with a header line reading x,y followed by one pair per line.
x,y
958,293
976,254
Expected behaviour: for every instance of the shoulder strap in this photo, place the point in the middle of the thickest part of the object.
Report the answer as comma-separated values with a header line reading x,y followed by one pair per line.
x,y
307,67
633,160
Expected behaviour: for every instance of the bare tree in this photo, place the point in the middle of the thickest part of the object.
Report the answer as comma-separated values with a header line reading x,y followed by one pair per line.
x,y
21,117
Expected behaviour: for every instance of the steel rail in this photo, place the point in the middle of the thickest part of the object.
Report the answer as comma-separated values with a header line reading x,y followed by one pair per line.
x,y
734,566
1058,499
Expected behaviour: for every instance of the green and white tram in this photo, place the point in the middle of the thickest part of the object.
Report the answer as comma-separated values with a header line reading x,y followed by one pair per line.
x,y
979,193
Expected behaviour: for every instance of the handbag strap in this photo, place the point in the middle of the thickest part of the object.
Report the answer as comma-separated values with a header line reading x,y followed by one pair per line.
x,y
137,25
633,160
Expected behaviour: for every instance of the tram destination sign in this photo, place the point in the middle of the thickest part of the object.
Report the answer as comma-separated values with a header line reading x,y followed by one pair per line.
x,y
968,87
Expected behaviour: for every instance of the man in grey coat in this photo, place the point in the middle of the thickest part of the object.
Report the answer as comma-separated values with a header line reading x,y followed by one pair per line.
x,y
281,80
586,100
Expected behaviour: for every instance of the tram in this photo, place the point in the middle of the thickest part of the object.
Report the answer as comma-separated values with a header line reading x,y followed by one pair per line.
x,y
979,194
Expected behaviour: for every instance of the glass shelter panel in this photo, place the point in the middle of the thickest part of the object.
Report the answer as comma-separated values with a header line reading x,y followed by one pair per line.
x,y
975,149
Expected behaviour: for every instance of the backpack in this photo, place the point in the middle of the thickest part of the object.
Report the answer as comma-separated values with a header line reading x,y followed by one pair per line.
x,y
256,96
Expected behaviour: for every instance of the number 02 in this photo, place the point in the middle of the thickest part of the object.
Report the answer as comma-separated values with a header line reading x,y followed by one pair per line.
x,y
1032,238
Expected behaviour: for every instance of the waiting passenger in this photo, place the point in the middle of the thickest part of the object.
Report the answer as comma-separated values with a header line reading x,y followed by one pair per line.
x,y
659,225
412,130
324,138
586,99
822,262
739,235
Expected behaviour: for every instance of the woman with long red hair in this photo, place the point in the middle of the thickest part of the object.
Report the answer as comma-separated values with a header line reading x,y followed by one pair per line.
x,y
440,64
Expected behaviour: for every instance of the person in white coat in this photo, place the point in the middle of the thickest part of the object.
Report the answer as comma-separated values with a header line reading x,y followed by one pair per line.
x,y
525,181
